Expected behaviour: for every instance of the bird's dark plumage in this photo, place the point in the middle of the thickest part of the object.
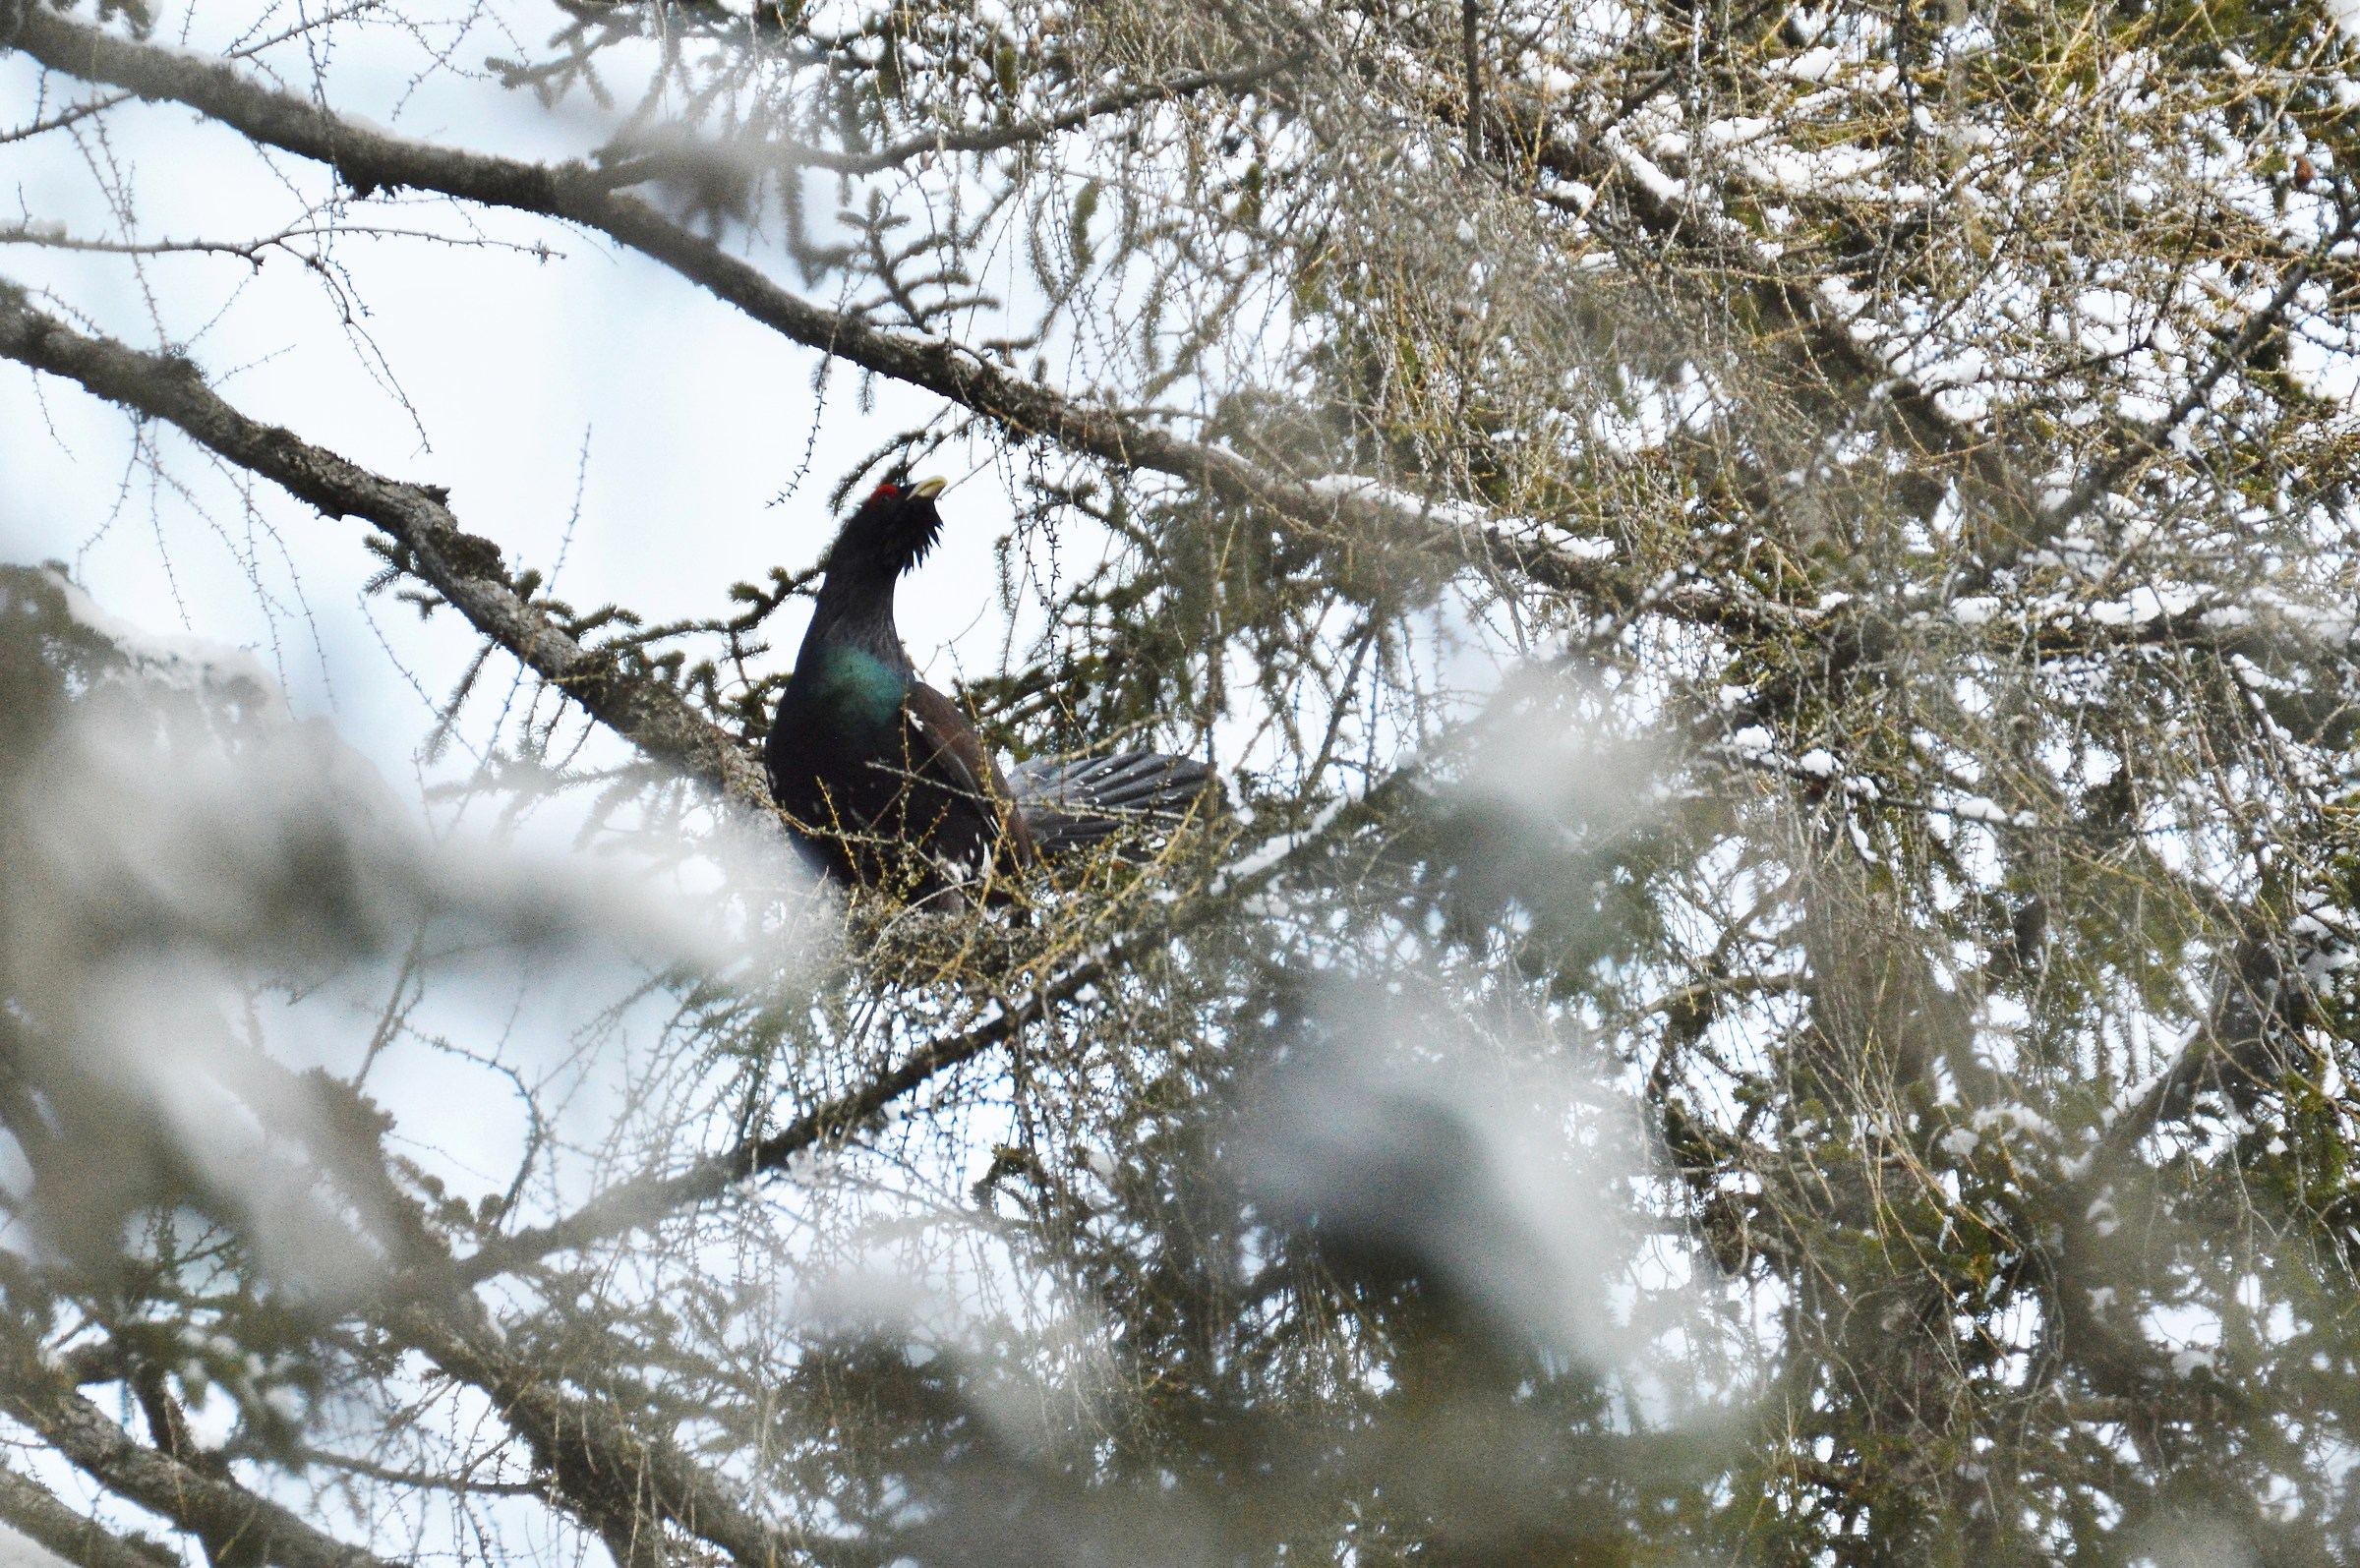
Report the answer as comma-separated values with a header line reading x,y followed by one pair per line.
x,y
1071,805
886,780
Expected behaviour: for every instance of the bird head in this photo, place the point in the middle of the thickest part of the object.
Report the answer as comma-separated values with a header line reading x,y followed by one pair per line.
x,y
889,533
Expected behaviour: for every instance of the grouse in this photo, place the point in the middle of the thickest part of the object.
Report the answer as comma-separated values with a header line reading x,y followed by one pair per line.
x,y
882,777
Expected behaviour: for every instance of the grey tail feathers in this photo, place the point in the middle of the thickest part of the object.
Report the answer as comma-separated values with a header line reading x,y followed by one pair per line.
x,y
1071,805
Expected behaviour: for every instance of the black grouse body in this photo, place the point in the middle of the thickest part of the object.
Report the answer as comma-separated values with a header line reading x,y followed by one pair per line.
x,y
883,778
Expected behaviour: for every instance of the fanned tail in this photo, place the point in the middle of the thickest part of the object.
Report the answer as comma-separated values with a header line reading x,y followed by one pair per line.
x,y
1071,805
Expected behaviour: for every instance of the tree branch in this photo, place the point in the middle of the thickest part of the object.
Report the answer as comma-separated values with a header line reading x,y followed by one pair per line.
x,y
83,1541
370,1469
1518,132
1470,64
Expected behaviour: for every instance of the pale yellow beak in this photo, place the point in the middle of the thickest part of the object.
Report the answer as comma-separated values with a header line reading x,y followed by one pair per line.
x,y
925,490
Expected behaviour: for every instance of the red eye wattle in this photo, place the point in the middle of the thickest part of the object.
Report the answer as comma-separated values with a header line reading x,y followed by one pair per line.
x,y
886,492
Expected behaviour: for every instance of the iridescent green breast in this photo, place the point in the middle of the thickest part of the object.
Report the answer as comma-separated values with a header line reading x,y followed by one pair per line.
x,y
857,690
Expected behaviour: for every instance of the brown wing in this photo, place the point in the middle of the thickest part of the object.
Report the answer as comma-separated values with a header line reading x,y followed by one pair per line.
x,y
957,746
